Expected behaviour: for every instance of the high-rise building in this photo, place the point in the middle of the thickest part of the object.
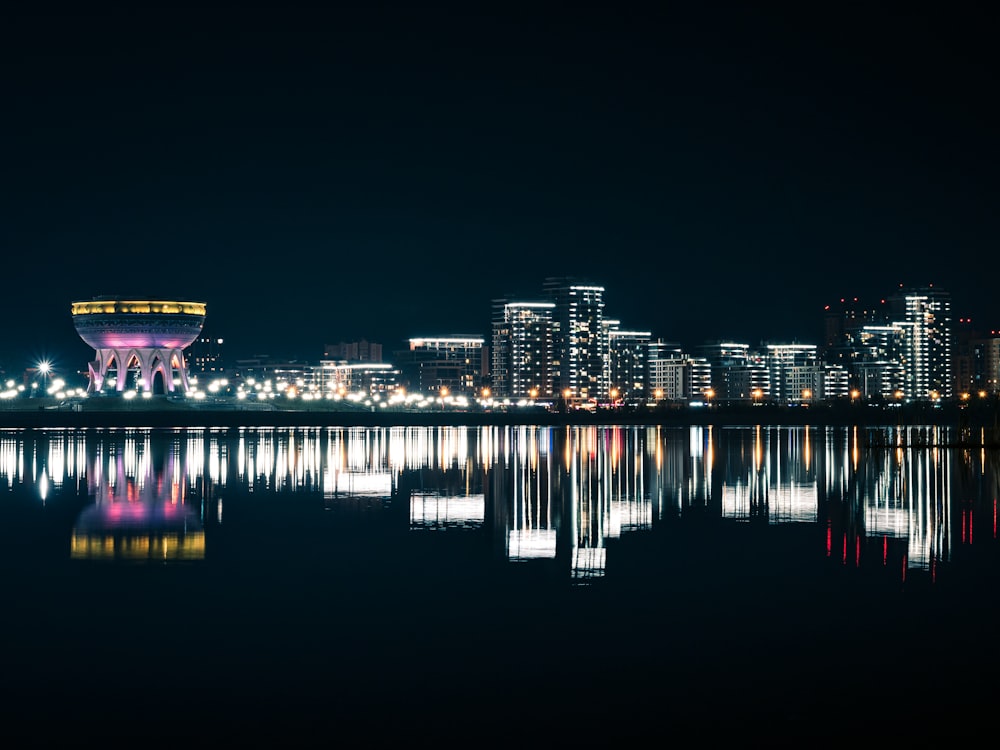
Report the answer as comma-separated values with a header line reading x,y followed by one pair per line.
x,y
676,376
739,374
965,357
985,365
925,313
876,365
794,373
843,323
580,346
521,356
628,366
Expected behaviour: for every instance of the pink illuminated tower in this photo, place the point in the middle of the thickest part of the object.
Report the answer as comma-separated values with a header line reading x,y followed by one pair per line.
x,y
146,337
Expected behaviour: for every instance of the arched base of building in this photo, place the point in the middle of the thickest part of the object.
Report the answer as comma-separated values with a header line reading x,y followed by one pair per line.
x,y
148,362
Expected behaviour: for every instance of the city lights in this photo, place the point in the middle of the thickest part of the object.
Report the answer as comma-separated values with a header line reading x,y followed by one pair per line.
x,y
901,358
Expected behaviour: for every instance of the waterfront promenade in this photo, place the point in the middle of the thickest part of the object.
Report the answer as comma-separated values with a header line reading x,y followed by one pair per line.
x,y
160,412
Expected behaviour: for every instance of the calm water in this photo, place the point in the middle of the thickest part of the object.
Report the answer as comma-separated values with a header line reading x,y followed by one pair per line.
x,y
457,585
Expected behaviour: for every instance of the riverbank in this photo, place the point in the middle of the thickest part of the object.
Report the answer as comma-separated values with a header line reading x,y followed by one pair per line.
x,y
164,413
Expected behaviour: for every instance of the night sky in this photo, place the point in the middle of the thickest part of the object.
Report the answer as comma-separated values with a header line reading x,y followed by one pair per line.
x,y
318,176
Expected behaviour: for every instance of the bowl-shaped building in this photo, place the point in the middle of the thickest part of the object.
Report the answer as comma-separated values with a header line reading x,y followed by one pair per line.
x,y
147,337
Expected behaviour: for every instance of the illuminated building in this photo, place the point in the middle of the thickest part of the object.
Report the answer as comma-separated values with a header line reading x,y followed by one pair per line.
x,y
280,373
976,360
737,373
794,373
628,370
925,314
844,325
204,356
986,368
580,344
342,377
141,341
673,375
521,365
456,363
836,382
877,364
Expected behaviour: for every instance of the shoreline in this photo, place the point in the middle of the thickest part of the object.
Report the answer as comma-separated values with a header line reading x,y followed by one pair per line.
x,y
172,415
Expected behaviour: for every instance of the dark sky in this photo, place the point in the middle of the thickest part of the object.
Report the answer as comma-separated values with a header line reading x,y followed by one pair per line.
x,y
318,176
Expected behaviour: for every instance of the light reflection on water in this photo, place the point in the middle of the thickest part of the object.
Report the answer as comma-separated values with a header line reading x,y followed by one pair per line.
x,y
886,497
588,585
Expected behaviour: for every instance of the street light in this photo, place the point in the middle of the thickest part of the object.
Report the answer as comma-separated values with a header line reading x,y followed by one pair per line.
x,y
44,368
709,395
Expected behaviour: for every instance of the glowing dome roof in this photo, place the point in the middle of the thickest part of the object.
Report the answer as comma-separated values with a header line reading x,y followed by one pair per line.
x,y
119,323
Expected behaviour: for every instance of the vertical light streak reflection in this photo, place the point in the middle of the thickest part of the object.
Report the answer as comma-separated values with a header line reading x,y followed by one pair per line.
x,y
598,485
9,459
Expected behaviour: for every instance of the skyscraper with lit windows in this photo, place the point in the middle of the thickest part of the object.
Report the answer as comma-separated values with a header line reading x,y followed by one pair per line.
x,y
628,363
580,343
925,314
521,365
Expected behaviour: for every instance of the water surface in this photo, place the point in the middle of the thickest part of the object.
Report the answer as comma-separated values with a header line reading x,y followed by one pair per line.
x,y
459,584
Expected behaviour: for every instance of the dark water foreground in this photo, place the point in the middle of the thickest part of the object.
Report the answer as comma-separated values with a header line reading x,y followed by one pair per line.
x,y
311,614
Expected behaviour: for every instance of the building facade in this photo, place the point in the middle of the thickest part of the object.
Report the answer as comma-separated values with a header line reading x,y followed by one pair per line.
x,y
521,352
925,314
205,356
457,364
794,373
628,364
580,347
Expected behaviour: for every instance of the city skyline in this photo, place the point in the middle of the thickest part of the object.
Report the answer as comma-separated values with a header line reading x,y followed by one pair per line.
x,y
389,349
562,344
346,174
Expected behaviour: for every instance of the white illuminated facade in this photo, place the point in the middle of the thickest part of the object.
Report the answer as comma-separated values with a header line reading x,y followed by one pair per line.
x,y
836,382
926,315
521,355
628,367
674,375
794,373
579,338
342,377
